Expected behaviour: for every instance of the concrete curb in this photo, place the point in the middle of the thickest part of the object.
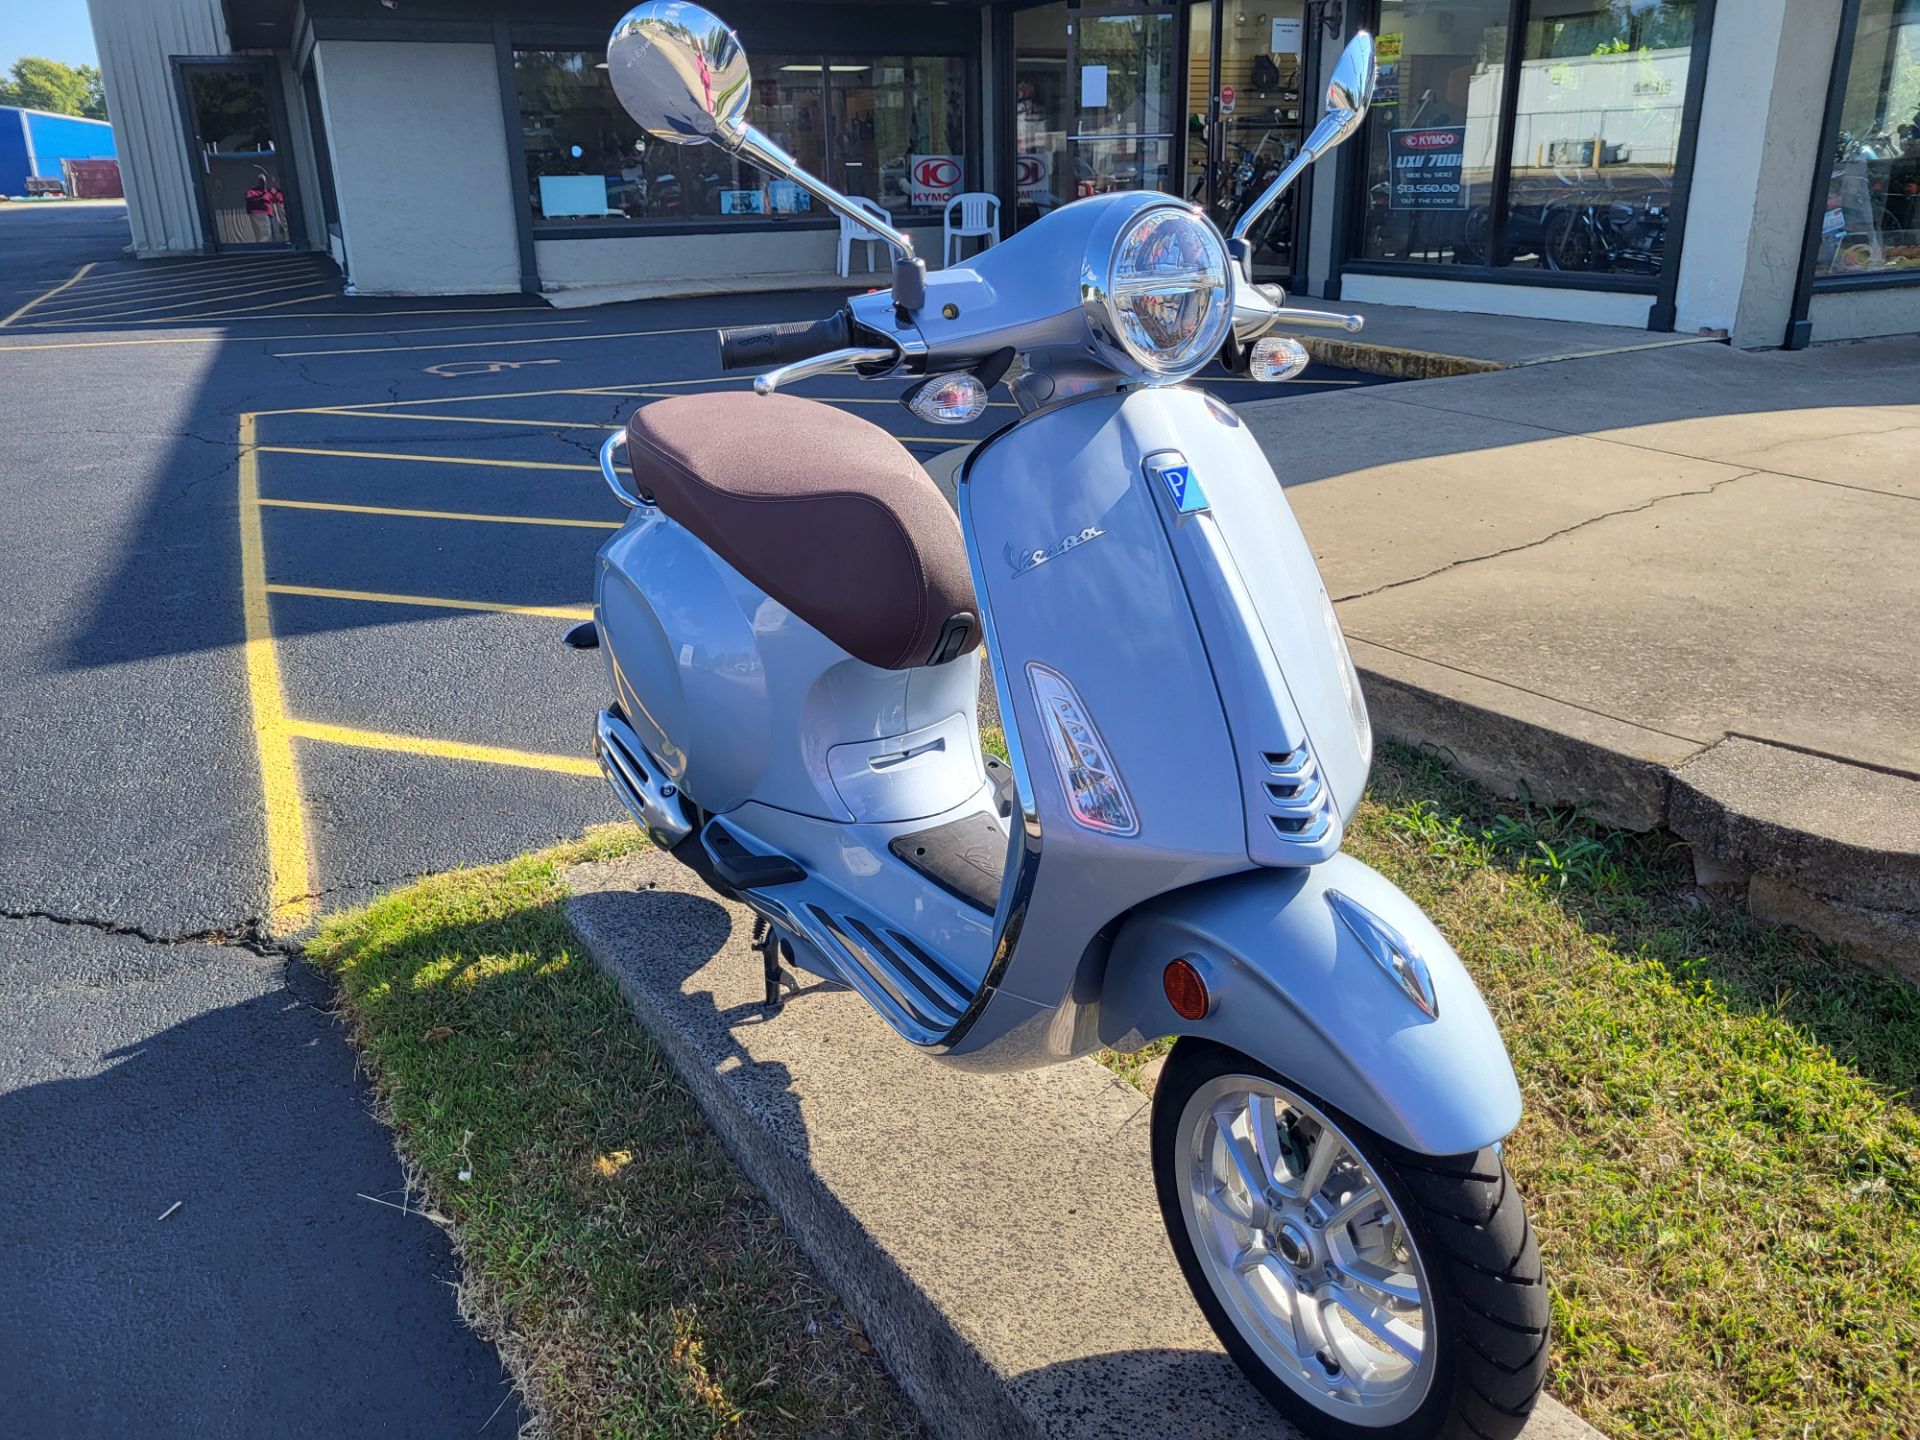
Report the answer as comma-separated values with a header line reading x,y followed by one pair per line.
x,y
1819,843
997,1235
1392,361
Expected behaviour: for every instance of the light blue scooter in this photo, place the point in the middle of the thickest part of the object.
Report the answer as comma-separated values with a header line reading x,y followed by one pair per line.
x,y
793,623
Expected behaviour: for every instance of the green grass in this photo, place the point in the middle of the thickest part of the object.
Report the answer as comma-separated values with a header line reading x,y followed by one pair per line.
x,y
638,1285
1720,1150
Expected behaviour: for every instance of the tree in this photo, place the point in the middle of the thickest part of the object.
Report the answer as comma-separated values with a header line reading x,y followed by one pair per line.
x,y
38,83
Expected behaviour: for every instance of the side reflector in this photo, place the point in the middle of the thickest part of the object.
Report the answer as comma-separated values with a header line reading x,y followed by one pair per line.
x,y
1187,991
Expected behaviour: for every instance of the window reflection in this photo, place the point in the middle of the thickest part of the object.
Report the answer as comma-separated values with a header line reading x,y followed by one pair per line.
x,y
1598,103
862,123
1871,223
899,131
1433,130
1596,135
1044,176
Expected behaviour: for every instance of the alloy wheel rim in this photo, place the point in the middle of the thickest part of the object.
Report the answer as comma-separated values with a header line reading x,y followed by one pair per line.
x,y
1306,1249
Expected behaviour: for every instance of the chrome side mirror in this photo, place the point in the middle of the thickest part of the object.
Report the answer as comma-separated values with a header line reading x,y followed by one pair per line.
x,y
1350,91
1349,94
681,72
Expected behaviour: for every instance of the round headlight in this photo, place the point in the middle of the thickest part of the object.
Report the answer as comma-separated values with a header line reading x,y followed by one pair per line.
x,y
1167,291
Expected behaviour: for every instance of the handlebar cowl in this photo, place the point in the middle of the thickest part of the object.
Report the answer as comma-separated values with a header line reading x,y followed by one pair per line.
x,y
757,347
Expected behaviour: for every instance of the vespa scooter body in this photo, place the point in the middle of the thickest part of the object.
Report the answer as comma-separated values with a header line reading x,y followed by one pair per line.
x,y
1135,554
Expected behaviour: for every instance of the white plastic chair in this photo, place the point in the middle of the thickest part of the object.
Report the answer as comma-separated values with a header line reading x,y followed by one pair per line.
x,y
853,233
979,220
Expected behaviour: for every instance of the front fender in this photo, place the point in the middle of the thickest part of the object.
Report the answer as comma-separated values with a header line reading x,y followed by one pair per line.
x,y
1294,988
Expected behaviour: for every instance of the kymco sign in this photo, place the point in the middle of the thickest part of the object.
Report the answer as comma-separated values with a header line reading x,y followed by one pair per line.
x,y
933,179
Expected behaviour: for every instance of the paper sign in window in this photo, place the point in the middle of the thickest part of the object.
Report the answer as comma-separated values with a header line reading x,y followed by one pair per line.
x,y
1093,87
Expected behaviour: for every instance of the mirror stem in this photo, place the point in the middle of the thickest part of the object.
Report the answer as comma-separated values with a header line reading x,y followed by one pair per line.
x,y
1328,133
751,144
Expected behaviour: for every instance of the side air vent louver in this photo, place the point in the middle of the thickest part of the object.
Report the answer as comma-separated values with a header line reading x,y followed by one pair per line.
x,y
1298,805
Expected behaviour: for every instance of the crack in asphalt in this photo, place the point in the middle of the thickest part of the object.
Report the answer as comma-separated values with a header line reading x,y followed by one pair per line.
x,y
1543,539
249,934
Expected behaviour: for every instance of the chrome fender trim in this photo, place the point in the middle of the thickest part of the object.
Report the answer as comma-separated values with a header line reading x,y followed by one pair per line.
x,y
1294,986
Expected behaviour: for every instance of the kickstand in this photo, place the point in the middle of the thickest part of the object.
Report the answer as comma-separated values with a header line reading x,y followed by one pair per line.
x,y
772,951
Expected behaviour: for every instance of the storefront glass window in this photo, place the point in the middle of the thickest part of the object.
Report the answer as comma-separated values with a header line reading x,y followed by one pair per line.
x,y
1433,130
1597,103
1596,134
1125,113
899,132
1045,177
1871,224
588,162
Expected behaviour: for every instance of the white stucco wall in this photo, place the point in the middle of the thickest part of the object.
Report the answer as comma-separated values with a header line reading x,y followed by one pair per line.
x,y
1858,314
420,167
136,40
1760,120
635,259
1542,302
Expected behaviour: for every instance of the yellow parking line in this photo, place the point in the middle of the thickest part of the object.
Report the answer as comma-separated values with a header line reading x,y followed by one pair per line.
x,y
150,288
226,338
422,310
442,749
657,390
471,419
541,424
495,344
290,890
48,295
442,514
183,321
151,270
218,302
167,268
549,612
358,406
426,459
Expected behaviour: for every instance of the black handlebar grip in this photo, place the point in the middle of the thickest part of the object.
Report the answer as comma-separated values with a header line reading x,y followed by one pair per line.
x,y
755,347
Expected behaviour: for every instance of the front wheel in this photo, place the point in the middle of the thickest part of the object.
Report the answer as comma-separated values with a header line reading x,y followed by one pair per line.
x,y
1367,1291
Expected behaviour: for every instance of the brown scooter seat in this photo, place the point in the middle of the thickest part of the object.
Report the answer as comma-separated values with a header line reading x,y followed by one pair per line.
x,y
825,512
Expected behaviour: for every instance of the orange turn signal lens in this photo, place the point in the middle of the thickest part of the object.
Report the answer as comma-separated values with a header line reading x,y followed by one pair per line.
x,y
1187,991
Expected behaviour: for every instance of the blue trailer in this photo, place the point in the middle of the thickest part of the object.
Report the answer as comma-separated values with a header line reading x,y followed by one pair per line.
x,y
34,142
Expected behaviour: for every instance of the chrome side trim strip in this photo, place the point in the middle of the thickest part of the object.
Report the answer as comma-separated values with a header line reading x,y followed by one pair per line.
x,y
1023,841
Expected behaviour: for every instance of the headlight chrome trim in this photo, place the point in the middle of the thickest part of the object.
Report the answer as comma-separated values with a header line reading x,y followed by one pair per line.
x,y
1108,341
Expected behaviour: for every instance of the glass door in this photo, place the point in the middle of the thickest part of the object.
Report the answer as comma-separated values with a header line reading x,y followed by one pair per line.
x,y
1246,81
234,129
1121,68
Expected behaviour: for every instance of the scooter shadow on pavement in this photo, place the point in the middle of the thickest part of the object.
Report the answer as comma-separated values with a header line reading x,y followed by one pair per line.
x,y
656,941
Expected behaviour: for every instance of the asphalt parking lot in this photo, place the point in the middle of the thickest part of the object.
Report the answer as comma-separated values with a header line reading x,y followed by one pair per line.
x,y
286,573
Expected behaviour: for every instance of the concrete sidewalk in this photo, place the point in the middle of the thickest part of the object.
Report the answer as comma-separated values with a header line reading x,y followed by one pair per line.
x,y
997,1235
1674,584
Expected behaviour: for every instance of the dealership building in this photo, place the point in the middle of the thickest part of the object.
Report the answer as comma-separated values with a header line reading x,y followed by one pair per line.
x,y
1672,165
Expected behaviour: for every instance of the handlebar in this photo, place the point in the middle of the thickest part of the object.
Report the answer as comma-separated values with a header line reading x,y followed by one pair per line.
x,y
755,347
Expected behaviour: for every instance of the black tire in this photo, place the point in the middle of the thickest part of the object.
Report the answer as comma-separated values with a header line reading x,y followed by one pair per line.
x,y
1482,1266
1567,241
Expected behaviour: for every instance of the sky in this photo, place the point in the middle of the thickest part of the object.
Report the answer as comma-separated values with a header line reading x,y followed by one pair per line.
x,y
58,29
